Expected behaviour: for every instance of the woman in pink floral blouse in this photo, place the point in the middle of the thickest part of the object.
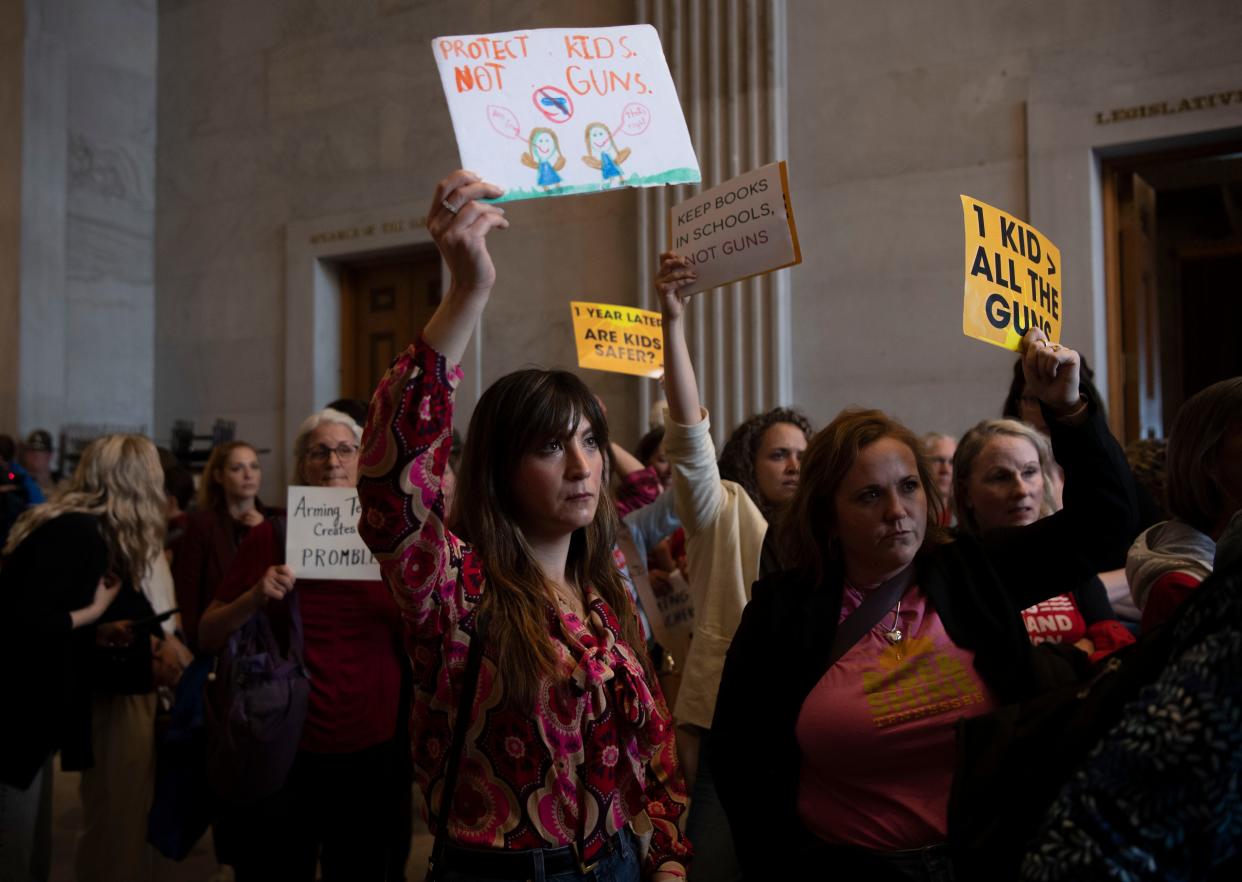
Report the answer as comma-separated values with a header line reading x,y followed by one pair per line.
x,y
568,769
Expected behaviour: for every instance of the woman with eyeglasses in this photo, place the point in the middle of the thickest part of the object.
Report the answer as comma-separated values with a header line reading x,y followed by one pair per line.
x,y
341,800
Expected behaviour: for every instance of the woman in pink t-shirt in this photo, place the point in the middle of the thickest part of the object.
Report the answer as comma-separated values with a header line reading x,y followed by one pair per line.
x,y
841,768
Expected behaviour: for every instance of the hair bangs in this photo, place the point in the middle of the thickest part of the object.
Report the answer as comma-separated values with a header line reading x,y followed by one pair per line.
x,y
555,408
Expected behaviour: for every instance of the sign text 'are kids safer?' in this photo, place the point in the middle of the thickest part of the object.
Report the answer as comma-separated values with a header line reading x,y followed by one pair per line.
x,y
739,229
1013,278
619,339
557,111
321,540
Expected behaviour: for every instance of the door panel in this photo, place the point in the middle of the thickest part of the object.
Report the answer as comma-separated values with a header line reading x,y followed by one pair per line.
x,y
387,305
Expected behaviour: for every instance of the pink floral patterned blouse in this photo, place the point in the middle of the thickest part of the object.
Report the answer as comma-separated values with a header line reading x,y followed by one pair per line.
x,y
595,752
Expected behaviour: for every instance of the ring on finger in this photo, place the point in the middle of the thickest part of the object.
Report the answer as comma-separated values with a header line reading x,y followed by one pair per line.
x,y
453,209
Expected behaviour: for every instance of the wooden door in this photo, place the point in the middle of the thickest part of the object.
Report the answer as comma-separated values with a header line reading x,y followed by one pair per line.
x,y
1135,397
1141,312
386,306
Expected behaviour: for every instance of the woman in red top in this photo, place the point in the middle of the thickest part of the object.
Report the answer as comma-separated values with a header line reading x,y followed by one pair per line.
x,y
228,507
339,804
568,749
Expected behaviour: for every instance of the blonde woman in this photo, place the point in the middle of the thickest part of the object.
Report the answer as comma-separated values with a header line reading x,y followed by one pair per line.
x,y
1003,477
68,565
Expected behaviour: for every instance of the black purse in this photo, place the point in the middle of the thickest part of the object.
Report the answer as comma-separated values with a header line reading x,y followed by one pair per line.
x,y
1013,762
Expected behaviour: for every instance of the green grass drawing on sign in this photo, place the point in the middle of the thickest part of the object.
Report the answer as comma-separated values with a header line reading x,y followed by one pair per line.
x,y
672,176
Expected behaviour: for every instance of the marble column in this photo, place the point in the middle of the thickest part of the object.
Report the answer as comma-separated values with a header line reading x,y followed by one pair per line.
x,y
728,60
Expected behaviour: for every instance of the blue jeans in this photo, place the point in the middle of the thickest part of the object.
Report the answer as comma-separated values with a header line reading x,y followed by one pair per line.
x,y
620,866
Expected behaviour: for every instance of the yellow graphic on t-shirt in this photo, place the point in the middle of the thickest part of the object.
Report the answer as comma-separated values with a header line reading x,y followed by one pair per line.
x,y
915,681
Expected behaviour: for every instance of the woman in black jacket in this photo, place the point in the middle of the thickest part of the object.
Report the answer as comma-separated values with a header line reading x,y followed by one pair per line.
x,y
842,770
68,598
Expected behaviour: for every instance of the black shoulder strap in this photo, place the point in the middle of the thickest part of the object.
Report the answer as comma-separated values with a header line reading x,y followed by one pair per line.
x,y
465,705
873,608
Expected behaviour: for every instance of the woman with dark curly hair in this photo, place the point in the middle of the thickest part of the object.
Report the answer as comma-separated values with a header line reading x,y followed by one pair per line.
x,y
724,508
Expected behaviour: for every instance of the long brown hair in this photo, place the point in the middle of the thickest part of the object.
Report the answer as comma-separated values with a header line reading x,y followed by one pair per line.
x,y
118,479
1198,429
515,417
807,524
210,490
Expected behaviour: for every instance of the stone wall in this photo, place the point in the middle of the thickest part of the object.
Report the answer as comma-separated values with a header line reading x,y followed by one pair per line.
x,y
289,113
12,25
86,309
293,114
895,110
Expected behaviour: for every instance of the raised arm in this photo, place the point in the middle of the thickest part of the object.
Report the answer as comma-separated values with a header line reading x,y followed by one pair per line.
x,y
459,225
1098,520
408,435
680,385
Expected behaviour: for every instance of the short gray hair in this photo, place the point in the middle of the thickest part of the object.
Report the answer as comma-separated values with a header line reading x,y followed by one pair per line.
x,y
313,422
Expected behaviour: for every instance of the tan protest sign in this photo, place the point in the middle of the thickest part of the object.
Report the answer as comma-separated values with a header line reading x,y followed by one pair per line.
x,y
739,229
620,339
1013,278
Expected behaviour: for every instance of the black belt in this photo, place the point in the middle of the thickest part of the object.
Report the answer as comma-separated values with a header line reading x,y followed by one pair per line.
x,y
500,863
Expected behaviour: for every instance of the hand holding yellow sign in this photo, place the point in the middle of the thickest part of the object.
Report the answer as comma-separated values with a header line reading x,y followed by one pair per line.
x,y
1013,278
620,339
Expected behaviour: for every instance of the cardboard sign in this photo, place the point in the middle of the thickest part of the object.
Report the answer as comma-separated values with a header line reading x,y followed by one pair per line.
x,y
1013,278
669,608
619,339
740,229
321,540
558,111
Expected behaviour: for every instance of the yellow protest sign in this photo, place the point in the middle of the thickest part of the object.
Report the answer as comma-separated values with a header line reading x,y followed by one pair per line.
x,y
620,339
1013,278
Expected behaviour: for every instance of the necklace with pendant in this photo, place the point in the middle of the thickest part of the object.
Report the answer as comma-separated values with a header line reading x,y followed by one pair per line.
x,y
893,635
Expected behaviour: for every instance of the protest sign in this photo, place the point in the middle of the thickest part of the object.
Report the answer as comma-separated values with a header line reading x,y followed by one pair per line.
x,y
321,540
667,601
1013,278
620,339
555,111
740,229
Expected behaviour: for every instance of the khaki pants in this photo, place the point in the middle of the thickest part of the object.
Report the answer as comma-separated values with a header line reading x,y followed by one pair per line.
x,y
117,791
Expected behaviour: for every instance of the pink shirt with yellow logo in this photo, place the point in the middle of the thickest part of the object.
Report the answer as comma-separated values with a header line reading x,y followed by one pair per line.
x,y
877,732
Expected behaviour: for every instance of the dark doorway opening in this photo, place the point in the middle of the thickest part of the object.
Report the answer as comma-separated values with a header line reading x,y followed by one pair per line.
x,y
1173,272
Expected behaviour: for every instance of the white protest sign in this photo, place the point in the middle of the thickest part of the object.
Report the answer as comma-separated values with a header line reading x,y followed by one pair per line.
x,y
557,111
739,229
322,541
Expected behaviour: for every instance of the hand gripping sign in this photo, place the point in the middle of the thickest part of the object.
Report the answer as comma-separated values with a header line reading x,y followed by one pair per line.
x,y
618,339
1013,278
554,111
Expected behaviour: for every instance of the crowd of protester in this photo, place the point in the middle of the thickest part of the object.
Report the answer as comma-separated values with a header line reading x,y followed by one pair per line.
x,y
864,598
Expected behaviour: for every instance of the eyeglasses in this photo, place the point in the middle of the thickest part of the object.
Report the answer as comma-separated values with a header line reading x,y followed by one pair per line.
x,y
344,452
